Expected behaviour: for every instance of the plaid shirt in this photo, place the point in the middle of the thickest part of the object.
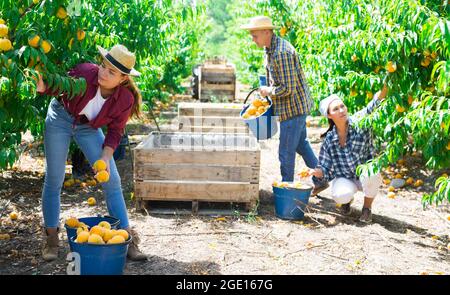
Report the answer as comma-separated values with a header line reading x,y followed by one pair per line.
x,y
291,96
342,162
114,113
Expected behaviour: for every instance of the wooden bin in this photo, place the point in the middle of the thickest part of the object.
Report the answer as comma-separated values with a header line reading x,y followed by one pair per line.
x,y
176,166
211,118
217,80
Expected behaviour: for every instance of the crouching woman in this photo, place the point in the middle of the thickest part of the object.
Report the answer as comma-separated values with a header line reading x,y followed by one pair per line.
x,y
345,147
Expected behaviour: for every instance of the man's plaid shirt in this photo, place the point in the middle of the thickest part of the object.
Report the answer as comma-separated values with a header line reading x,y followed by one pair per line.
x,y
336,161
291,96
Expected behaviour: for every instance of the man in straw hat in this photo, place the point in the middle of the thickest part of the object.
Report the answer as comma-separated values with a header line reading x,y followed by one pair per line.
x,y
291,97
110,99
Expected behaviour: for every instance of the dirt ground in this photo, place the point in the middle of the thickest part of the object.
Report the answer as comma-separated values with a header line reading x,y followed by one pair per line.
x,y
403,238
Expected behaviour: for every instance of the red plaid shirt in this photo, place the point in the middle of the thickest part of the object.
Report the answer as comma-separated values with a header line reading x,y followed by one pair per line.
x,y
114,113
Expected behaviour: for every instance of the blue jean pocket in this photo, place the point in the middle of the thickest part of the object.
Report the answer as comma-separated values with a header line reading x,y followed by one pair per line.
x,y
56,104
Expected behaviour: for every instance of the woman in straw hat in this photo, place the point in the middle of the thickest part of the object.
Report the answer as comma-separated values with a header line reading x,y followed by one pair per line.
x,y
110,99
345,147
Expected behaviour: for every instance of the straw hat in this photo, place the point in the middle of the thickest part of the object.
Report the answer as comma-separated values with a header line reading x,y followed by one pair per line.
x,y
122,59
259,23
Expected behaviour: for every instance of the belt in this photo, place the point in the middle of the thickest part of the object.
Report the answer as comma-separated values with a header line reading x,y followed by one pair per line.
x,y
80,120
83,119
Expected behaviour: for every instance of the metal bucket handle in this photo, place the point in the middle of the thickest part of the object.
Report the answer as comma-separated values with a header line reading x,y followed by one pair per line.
x,y
297,206
253,90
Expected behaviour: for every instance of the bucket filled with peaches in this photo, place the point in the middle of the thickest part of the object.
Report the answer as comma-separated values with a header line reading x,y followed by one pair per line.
x,y
258,114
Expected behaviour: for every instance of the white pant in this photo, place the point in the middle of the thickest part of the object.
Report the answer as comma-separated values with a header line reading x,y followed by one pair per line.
x,y
343,189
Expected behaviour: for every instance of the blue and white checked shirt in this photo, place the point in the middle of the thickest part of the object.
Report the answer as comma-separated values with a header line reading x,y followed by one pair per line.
x,y
342,162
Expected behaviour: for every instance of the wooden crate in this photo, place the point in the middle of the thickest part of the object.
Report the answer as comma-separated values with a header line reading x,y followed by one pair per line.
x,y
217,80
219,73
211,118
176,166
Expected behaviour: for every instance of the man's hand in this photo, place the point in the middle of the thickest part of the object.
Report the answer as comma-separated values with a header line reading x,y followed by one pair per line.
x,y
265,91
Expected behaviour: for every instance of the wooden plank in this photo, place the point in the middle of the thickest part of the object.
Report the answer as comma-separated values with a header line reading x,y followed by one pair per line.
x,y
212,73
218,63
210,109
218,69
210,97
204,212
214,87
215,61
208,129
180,142
169,156
200,105
209,92
212,121
256,170
171,139
229,111
196,172
199,191
204,208
218,78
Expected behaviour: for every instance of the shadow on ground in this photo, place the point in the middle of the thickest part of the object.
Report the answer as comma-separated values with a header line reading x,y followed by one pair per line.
x,y
326,206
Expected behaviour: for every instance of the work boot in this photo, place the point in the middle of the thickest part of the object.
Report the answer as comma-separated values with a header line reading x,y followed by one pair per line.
x,y
346,209
51,244
366,215
133,250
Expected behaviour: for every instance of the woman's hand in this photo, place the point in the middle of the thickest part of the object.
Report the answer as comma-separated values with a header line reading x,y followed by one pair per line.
x,y
383,92
317,172
40,85
107,155
106,160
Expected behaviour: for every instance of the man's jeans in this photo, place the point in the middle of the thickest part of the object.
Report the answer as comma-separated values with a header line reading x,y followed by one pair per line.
x,y
293,140
59,130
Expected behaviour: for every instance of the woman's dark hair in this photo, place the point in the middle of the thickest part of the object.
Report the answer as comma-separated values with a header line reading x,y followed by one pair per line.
x,y
331,123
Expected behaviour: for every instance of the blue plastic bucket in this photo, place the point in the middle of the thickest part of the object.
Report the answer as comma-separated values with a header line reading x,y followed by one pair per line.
x,y
104,259
90,221
290,203
264,126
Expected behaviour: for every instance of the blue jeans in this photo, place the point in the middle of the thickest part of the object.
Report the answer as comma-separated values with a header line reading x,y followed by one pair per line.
x,y
59,131
293,140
